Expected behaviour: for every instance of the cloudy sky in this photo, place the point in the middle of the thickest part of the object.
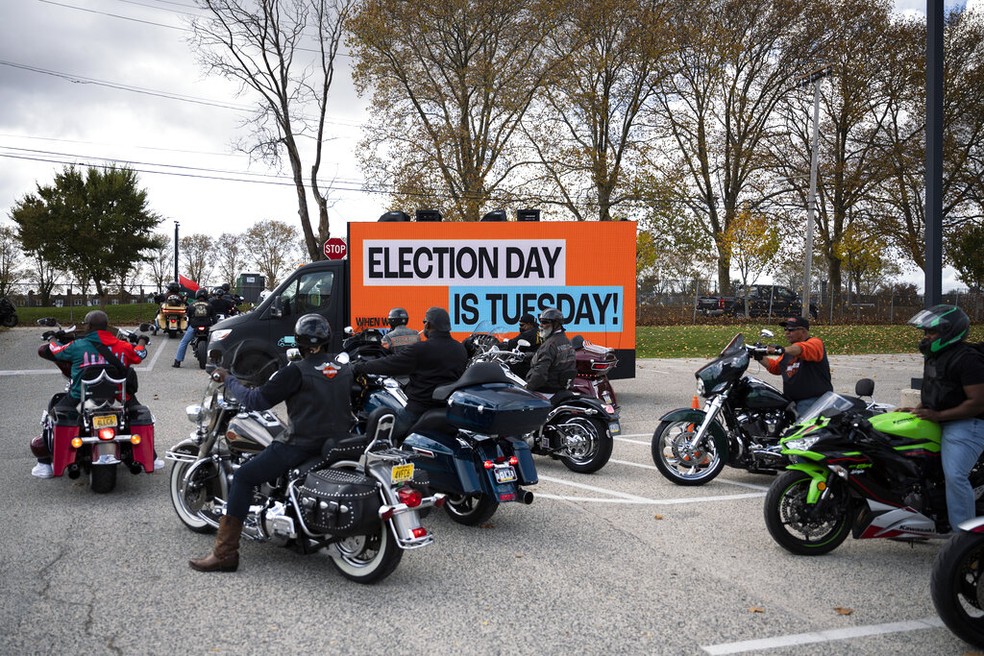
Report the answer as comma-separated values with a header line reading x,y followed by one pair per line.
x,y
100,81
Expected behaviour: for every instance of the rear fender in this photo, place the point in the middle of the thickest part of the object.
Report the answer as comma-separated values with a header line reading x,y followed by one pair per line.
x,y
697,416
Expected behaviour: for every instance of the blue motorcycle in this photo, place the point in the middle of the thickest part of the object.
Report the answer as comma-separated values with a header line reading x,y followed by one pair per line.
x,y
473,449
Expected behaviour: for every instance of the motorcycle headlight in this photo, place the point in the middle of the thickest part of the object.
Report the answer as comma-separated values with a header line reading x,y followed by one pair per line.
x,y
802,443
218,335
700,386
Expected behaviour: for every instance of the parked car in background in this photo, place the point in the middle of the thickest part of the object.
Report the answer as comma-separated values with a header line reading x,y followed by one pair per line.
x,y
763,301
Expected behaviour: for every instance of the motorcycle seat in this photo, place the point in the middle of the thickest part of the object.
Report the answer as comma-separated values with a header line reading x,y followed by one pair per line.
x,y
477,374
348,448
434,421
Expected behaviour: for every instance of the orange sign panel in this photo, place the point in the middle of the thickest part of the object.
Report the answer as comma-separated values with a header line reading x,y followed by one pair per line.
x,y
494,272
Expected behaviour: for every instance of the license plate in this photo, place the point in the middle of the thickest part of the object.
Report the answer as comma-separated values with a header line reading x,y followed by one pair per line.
x,y
402,473
104,421
615,428
505,474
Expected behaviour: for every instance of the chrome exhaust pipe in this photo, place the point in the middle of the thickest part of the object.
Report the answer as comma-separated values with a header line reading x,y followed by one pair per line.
x,y
73,470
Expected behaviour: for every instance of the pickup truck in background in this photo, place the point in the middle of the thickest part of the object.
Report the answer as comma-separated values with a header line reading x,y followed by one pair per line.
x,y
763,300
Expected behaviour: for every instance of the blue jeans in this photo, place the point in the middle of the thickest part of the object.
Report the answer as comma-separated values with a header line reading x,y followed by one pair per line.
x,y
963,443
266,466
183,346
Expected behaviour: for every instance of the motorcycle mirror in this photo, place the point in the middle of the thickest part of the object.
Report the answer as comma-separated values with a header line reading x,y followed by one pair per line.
x,y
144,327
348,330
294,355
766,333
47,322
342,358
522,343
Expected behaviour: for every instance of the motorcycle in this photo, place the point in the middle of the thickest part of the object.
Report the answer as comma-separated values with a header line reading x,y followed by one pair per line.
x,y
854,472
106,433
578,430
199,344
8,313
172,317
377,396
691,446
358,500
473,448
593,364
957,585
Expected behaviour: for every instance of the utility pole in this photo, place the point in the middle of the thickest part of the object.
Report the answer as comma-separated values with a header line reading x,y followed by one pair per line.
x,y
814,79
176,224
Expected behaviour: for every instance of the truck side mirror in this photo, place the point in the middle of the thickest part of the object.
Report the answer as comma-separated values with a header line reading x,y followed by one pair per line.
x,y
276,310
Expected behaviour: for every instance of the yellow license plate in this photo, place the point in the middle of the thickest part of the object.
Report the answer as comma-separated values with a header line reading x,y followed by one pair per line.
x,y
104,421
402,473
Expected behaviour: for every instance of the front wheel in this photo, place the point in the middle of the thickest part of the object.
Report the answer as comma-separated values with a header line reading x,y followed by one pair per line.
x,y
102,478
679,459
957,586
191,496
10,320
586,444
801,528
470,510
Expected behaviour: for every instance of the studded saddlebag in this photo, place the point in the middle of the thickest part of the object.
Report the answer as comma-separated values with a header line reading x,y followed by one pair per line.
x,y
339,502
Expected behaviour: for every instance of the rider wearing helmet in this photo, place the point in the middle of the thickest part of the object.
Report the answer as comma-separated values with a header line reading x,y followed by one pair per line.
x,y
953,394
553,366
437,360
399,335
200,313
317,393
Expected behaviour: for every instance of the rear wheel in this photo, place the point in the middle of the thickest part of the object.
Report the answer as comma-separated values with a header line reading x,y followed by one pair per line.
x,y
102,478
191,496
470,510
587,446
679,459
201,354
957,586
801,528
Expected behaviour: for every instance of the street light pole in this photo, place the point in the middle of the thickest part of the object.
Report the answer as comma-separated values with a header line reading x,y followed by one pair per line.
x,y
813,78
176,224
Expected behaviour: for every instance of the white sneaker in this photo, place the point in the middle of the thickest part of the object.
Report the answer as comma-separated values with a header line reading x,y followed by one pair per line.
x,y
42,470
158,464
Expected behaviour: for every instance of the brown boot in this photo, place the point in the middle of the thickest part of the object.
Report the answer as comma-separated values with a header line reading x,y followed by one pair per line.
x,y
225,555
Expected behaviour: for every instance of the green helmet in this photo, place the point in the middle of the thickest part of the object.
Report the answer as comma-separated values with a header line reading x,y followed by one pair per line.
x,y
950,323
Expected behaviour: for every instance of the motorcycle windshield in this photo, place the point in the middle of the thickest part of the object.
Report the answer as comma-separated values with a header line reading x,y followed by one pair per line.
x,y
728,366
829,405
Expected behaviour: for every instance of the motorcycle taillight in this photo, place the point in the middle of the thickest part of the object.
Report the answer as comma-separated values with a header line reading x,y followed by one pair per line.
x,y
409,496
106,434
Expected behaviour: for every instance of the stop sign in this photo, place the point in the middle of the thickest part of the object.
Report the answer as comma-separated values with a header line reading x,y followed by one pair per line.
x,y
335,249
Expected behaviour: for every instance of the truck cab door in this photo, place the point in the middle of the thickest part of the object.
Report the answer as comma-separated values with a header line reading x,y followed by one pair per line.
x,y
313,292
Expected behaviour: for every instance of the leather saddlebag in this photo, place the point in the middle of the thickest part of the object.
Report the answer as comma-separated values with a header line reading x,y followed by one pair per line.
x,y
339,502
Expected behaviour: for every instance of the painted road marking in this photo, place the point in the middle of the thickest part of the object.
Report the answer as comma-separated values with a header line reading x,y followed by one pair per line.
x,y
823,636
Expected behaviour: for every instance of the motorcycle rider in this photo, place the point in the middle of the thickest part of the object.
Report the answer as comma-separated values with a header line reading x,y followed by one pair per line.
x,y
317,392
200,313
399,335
953,394
528,331
553,366
437,360
82,352
803,365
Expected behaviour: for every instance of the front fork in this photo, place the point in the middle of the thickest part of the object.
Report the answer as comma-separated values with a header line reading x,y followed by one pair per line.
x,y
821,482
711,412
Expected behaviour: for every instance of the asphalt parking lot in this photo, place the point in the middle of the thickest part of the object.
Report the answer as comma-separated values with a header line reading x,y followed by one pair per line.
x,y
618,562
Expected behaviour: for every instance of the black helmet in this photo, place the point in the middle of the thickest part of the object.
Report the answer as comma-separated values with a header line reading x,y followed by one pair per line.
x,y
201,294
438,318
312,331
173,287
398,317
949,322
552,314
216,291
225,287
96,320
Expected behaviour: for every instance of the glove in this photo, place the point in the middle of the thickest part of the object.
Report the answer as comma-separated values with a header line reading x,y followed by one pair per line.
x,y
219,375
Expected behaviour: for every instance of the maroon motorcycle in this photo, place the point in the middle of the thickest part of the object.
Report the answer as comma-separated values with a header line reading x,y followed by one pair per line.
x,y
593,364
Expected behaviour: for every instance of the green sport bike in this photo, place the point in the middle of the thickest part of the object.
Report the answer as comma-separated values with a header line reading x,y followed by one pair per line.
x,y
852,470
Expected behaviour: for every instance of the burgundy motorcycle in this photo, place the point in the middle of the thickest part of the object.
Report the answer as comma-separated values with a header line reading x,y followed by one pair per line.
x,y
593,364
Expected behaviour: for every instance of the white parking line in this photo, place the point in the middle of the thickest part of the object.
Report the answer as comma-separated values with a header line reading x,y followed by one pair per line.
x,y
823,636
622,497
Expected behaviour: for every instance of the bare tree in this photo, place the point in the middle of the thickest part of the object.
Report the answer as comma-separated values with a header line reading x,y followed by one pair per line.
x,y
230,256
274,247
259,45
160,259
736,60
197,255
11,258
610,56
450,83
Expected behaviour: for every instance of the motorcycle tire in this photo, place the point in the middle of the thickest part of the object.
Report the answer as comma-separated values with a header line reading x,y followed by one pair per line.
x,y
957,586
588,444
189,498
789,522
200,354
470,510
102,478
693,468
10,320
367,558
